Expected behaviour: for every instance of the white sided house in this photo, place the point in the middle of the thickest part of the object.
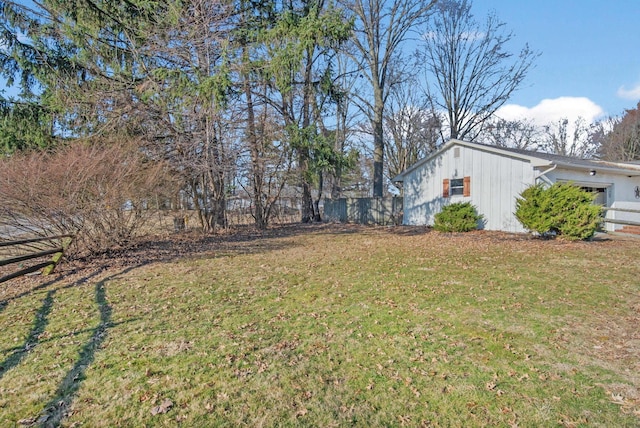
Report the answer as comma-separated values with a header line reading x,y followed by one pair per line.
x,y
491,178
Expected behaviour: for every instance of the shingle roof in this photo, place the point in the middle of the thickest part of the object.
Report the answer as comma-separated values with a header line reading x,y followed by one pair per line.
x,y
569,160
551,159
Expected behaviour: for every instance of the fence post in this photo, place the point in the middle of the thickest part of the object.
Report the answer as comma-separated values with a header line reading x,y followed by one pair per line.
x,y
57,256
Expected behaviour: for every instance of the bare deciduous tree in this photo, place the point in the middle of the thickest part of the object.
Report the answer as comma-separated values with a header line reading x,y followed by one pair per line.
x,y
412,131
266,166
470,74
619,137
570,139
517,134
183,99
345,116
381,28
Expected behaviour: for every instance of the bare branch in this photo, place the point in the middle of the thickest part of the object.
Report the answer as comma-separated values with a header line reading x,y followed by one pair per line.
x,y
470,74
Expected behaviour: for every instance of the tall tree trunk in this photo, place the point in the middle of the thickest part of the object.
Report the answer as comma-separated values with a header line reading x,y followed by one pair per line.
x,y
215,175
378,153
381,28
197,205
307,200
339,143
316,202
378,134
257,174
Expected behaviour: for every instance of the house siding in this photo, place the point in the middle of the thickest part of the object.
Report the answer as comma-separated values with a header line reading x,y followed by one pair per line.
x,y
497,177
620,191
495,182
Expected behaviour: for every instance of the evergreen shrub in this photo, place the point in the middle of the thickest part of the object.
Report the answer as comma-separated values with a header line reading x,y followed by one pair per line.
x,y
458,217
561,209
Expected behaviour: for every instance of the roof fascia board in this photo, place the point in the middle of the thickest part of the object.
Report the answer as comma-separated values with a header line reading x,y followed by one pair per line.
x,y
445,147
600,168
535,161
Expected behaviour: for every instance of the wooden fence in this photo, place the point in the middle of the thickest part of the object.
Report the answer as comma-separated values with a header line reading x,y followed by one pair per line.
x,y
364,210
631,217
32,249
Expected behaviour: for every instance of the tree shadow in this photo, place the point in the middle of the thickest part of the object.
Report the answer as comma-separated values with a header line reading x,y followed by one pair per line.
x,y
73,334
32,340
56,409
409,230
5,302
190,245
39,323
240,241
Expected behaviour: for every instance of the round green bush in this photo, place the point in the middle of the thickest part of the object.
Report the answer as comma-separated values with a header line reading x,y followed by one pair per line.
x,y
458,217
561,209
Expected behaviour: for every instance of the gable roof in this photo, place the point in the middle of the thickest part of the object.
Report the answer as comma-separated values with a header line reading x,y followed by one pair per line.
x,y
537,159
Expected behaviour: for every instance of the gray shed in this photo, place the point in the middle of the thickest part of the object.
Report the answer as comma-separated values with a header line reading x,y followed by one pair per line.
x,y
492,177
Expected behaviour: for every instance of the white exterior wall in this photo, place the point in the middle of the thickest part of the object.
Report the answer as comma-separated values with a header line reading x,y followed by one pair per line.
x,y
496,181
620,191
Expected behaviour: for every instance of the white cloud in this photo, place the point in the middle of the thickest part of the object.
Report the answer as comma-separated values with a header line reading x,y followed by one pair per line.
x,y
552,110
629,94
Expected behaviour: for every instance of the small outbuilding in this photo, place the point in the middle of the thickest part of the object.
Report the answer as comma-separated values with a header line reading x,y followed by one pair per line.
x,y
491,178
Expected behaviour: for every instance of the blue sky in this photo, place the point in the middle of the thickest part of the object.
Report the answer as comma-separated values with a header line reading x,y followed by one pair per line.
x,y
590,55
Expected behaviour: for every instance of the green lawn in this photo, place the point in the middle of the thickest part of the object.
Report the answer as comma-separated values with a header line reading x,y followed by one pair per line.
x,y
331,326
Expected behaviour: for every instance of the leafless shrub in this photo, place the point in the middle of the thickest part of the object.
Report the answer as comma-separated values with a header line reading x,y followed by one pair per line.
x,y
101,193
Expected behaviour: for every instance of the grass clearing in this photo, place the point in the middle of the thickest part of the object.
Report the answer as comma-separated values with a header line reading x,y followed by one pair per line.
x,y
332,326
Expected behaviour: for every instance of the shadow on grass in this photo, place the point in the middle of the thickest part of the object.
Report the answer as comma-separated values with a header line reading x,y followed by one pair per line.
x,y
5,302
409,230
39,323
56,409
49,339
242,240
192,245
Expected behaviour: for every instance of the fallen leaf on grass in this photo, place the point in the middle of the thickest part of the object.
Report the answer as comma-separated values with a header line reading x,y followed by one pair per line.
x,y
162,408
404,420
415,392
617,398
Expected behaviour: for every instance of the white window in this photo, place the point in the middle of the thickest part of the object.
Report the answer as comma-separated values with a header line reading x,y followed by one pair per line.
x,y
457,186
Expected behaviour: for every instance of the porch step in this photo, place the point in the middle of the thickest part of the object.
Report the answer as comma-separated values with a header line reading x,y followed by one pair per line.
x,y
630,229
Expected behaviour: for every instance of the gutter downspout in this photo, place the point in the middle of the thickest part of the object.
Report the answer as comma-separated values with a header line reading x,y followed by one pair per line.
x,y
542,175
